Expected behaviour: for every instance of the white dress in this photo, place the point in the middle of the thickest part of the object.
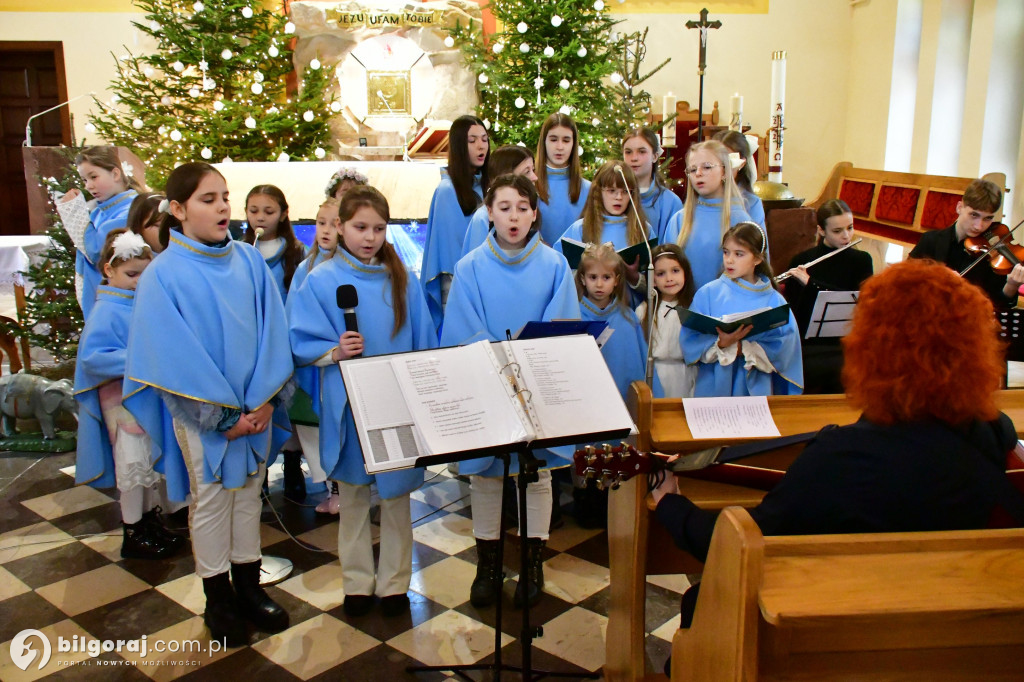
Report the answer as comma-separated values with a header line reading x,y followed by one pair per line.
x,y
677,378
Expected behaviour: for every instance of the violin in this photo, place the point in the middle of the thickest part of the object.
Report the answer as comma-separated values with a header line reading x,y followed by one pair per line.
x,y
995,242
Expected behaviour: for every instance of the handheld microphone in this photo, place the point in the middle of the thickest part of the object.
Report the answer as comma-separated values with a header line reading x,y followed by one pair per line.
x,y
348,299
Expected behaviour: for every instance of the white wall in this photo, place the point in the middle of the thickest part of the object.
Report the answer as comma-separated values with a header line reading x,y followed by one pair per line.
x,y
817,38
91,39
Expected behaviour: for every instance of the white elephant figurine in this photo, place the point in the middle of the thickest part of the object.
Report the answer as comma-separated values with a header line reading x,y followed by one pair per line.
x,y
30,395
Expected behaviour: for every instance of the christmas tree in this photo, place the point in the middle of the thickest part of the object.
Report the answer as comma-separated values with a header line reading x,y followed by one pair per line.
x,y
216,88
547,56
52,318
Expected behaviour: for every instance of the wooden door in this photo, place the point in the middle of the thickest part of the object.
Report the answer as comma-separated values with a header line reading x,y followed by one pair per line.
x,y
31,81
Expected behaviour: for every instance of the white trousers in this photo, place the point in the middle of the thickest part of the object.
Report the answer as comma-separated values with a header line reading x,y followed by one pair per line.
x,y
355,543
485,496
224,524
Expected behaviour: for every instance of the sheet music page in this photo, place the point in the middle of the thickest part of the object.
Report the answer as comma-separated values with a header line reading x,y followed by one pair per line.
x,y
383,421
457,400
832,314
732,317
745,417
571,389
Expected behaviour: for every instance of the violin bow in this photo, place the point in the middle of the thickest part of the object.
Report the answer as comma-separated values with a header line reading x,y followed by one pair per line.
x,y
991,249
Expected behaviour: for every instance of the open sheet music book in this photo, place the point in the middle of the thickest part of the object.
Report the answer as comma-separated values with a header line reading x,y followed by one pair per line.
x,y
447,404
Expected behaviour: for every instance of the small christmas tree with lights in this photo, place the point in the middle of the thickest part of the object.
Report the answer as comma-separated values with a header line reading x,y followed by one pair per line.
x,y
550,56
216,88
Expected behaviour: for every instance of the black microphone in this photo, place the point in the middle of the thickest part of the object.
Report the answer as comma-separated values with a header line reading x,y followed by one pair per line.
x,y
348,299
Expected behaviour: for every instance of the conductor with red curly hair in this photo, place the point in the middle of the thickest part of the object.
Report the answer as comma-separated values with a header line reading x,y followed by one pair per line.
x,y
923,370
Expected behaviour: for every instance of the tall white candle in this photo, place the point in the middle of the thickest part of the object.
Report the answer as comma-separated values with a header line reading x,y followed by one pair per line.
x,y
736,119
668,109
778,116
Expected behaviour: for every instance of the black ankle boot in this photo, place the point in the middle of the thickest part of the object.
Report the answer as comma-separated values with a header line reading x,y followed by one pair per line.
x,y
294,481
529,589
221,616
486,585
153,519
253,602
140,542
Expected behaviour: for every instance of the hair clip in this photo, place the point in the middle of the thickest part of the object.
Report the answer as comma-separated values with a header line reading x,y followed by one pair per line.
x,y
164,206
127,169
127,246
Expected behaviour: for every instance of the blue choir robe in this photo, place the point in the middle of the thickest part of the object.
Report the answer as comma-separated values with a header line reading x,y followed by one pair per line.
x,y
625,352
108,215
102,351
446,230
479,228
781,345
493,292
660,204
210,327
276,264
753,206
316,323
704,247
559,212
308,378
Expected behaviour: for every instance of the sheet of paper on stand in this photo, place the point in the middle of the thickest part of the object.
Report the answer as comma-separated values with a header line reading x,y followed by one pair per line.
x,y
741,417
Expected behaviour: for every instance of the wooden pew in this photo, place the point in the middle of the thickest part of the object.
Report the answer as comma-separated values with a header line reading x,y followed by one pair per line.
x,y
897,207
882,606
638,548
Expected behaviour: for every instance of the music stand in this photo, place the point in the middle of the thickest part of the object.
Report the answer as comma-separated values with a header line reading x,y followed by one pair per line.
x,y
832,314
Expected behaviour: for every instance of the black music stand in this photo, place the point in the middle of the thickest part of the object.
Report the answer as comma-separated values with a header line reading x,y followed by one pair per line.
x,y
528,473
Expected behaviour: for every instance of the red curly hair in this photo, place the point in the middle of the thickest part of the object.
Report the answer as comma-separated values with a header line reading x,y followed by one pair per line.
x,y
924,345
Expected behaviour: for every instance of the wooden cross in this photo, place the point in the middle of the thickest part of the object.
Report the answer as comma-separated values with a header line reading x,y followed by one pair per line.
x,y
703,25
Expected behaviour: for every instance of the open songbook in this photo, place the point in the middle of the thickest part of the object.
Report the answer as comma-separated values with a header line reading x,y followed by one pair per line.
x,y
762,319
443,405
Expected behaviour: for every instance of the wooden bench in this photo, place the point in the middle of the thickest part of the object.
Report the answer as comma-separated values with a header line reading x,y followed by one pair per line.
x,y
897,207
885,606
638,548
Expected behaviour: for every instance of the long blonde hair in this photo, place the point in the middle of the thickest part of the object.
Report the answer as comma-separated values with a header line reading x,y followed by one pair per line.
x,y
593,211
604,254
729,190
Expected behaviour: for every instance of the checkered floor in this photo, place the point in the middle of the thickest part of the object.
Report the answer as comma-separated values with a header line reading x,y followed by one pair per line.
x,y
61,573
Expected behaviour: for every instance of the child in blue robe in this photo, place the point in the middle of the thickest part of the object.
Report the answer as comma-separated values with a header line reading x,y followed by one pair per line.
x,y
735,364
308,378
113,189
613,214
269,229
641,150
511,279
393,317
454,201
562,189
112,447
712,206
744,172
508,159
207,376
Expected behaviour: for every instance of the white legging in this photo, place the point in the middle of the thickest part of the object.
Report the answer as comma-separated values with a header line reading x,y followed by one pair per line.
x,y
485,495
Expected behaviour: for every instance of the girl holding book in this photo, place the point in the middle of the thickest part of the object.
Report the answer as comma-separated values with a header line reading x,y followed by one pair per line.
x,y
712,206
737,363
641,150
455,199
509,280
393,317
562,189
612,214
674,283
508,159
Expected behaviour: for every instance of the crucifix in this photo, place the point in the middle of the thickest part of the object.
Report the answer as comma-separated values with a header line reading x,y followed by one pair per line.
x,y
702,62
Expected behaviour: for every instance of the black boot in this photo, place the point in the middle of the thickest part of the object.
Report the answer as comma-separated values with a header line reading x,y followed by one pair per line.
x,y
294,481
221,615
486,585
254,603
153,519
140,542
530,588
